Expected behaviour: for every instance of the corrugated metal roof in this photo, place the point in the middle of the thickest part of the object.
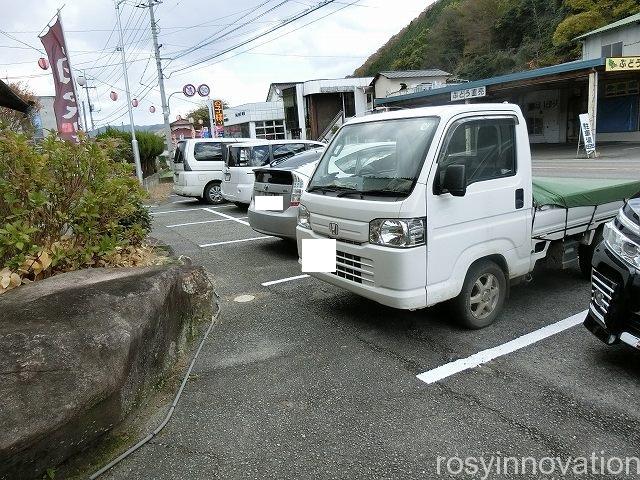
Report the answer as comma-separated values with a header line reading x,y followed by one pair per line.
x,y
433,72
611,26
512,77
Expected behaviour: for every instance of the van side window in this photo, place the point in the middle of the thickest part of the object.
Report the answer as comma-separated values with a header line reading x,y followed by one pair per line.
x,y
487,147
207,152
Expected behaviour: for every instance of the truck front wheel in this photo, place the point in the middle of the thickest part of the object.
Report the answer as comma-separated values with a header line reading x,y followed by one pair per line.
x,y
483,295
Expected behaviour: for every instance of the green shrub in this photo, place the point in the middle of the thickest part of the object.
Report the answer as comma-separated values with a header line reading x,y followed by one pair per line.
x,y
150,146
65,206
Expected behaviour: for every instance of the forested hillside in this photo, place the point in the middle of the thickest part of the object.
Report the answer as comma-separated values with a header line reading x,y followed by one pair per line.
x,y
481,38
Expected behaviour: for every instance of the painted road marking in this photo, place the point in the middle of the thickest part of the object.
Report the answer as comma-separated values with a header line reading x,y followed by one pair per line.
x,y
242,222
485,356
290,279
233,241
200,223
177,211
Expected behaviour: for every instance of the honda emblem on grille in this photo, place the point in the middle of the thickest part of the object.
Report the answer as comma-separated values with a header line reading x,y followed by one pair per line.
x,y
334,229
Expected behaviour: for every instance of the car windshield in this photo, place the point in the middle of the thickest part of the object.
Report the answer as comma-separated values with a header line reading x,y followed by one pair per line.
x,y
298,160
383,156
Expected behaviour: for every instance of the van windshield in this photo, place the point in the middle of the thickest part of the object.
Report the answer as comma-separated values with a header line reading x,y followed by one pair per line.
x,y
383,157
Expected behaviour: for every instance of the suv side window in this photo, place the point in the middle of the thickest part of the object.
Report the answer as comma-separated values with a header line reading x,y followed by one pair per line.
x,y
207,152
487,147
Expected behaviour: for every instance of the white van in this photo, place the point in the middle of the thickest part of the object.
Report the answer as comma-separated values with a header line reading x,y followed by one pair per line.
x,y
198,165
439,203
243,158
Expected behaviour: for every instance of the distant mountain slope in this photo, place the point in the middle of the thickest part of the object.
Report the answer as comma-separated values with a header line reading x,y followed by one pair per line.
x,y
481,38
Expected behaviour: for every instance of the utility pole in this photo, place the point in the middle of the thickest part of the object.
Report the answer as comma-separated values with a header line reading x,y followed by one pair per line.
x,y
83,81
163,96
134,142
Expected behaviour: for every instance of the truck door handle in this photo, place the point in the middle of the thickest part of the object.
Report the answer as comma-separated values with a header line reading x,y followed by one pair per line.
x,y
519,198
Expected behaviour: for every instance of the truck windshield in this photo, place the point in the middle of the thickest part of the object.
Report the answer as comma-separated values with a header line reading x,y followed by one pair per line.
x,y
379,158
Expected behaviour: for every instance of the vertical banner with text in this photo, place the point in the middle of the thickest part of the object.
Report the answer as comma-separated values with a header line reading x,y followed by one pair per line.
x,y
218,117
65,105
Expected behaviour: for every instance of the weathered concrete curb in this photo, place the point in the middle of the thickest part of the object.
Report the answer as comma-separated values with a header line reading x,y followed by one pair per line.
x,y
78,350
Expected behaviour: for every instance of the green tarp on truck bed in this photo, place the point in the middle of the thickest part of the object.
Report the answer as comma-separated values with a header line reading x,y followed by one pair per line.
x,y
581,192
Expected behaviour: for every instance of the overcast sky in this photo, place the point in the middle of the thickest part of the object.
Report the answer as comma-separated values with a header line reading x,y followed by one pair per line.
x,y
331,47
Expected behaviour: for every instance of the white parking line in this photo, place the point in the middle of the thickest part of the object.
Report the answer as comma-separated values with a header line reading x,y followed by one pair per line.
x,y
200,223
485,356
233,241
227,216
290,279
177,211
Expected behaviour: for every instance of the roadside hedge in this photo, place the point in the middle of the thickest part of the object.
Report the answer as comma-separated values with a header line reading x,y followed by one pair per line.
x,y
66,206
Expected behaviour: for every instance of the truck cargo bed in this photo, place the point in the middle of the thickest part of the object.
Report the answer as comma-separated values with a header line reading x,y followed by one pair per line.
x,y
570,206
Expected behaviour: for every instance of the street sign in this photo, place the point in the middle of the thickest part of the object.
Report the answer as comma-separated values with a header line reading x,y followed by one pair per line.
x,y
204,90
468,93
189,90
218,113
623,64
587,134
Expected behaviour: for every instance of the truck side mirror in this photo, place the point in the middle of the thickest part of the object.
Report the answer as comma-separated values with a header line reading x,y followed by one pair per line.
x,y
455,180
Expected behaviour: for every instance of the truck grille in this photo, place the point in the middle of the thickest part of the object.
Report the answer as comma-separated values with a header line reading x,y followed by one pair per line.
x,y
354,268
602,293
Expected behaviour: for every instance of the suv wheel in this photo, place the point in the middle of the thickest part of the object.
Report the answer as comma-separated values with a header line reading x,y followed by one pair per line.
x,y
213,193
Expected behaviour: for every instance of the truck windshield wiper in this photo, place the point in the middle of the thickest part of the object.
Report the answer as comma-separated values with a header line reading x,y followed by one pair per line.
x,y
384,193
330,188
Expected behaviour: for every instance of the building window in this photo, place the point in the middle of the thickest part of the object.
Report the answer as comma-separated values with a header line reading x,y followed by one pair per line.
x,y
270,130
612,50
621,89
535,125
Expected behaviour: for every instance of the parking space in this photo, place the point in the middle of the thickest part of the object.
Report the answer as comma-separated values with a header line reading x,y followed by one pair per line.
x,y
308,380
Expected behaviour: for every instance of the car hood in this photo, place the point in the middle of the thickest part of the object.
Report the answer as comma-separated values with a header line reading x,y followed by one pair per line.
x,y
634,205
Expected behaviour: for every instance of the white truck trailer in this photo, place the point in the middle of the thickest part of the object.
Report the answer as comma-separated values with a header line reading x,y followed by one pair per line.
x,y
443,206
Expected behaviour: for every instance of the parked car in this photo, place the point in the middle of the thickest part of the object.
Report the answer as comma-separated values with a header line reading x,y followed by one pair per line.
x,y
287,179
614,312
244,158
439,203
198,164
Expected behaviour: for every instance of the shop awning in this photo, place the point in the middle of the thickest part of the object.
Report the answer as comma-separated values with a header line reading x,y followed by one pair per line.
x,y
9,99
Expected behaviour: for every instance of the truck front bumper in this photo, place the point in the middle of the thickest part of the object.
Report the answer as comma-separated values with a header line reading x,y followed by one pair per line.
x,y
614,311
390,276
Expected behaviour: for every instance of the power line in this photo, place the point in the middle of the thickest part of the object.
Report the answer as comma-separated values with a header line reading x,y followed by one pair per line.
x,y
225,51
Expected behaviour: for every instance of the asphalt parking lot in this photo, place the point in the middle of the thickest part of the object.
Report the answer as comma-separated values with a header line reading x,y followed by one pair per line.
x,y
305,380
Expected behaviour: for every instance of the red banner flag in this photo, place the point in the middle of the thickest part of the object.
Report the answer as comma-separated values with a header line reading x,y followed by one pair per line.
x,y
65,105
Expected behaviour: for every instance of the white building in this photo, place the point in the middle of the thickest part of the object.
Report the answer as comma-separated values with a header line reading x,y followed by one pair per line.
x,y
316,108
618,39
47,114
255,120
391,83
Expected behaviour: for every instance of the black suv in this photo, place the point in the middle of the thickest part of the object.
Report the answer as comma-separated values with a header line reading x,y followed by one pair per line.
x,y
614,312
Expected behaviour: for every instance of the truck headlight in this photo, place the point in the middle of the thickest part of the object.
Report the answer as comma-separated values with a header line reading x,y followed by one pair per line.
x,y
397,232
303,217
621,245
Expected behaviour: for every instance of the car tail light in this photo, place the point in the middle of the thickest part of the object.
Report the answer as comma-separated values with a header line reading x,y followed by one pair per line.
x,y
296,191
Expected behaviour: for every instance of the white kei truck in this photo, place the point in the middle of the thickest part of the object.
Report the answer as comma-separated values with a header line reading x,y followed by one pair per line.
x,y
439,203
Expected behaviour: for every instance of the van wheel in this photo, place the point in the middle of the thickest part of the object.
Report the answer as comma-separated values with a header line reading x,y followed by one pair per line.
x,y
585,254
213,193
483,295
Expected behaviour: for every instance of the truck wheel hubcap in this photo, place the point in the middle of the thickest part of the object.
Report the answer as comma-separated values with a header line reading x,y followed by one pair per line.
x,y
484,296
215,194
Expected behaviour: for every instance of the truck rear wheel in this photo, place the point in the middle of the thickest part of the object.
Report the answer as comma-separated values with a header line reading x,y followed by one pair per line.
x,y
483,295
585,254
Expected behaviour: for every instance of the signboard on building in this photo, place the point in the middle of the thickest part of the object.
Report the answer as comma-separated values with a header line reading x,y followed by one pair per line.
x,y
587,134
218,113
468,94
339,89
620,64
